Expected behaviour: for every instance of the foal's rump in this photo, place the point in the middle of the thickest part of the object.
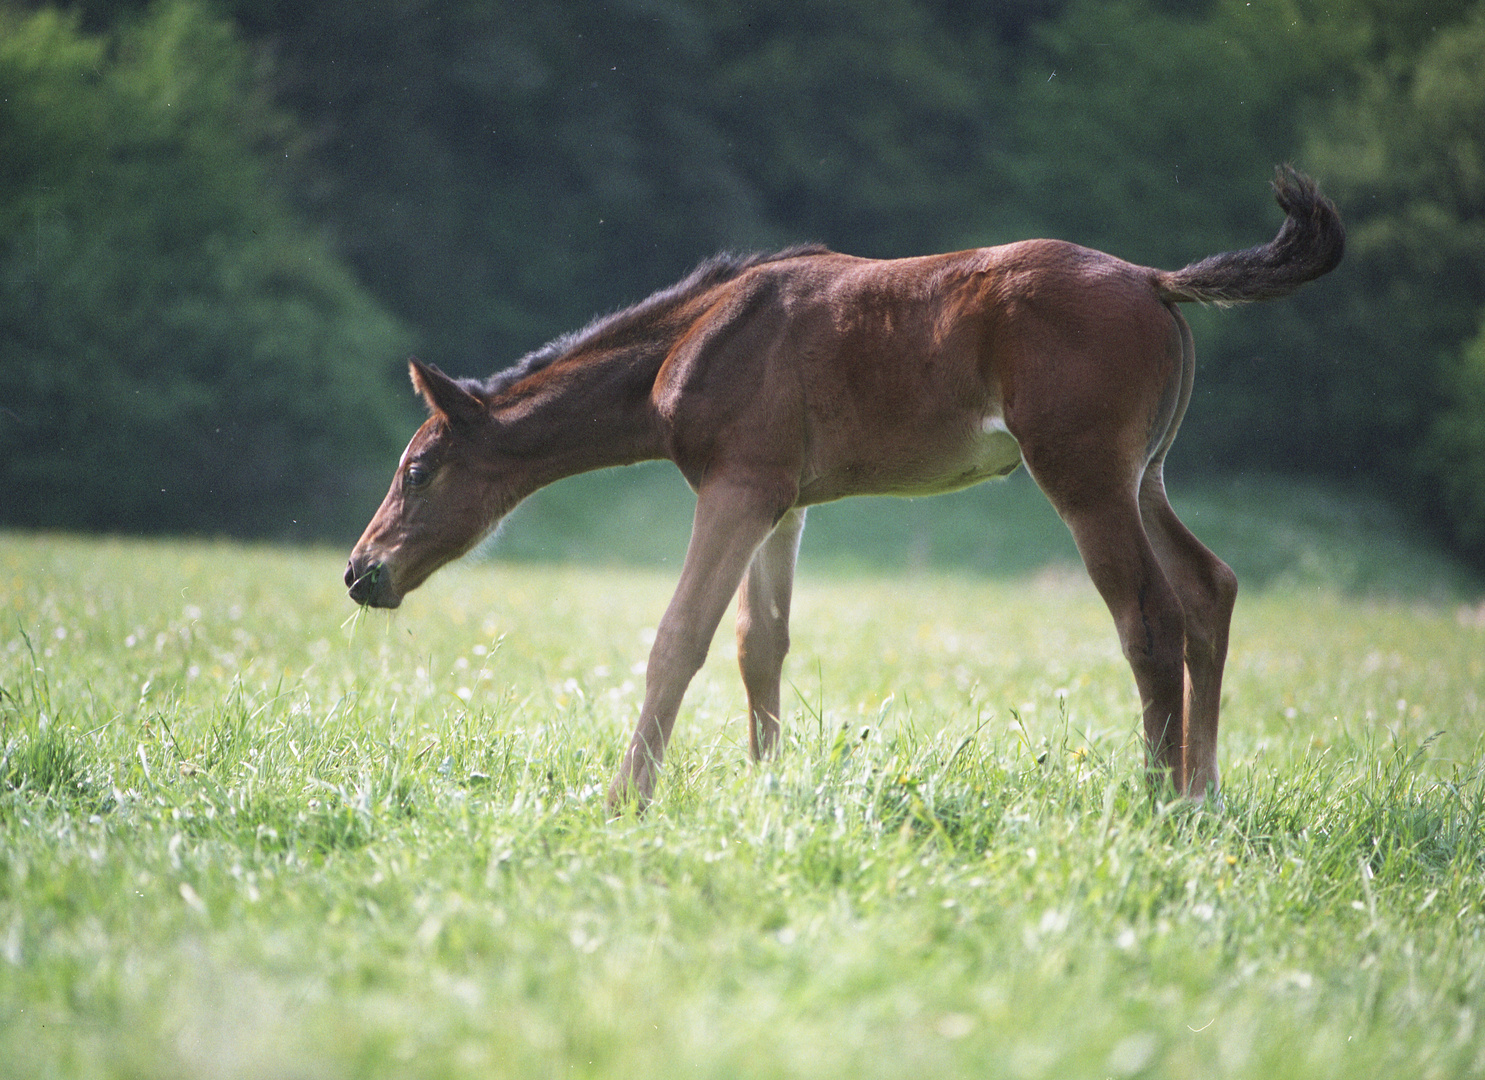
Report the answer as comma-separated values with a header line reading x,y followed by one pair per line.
x,y
934,363
918,376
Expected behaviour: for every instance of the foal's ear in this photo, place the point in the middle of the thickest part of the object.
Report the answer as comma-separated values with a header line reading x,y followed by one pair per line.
x,y
444,395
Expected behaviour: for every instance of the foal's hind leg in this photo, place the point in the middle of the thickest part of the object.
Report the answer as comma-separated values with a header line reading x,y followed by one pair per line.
x,y
1147,614
1207,588
763,630
1206,585
1104,518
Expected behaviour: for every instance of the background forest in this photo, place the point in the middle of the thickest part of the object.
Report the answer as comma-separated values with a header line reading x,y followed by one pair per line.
x,y
224,225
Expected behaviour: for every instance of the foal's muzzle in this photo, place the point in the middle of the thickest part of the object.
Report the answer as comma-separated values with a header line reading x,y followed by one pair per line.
x,y
370,585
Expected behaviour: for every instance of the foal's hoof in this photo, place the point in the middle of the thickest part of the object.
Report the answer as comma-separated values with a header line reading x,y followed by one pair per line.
x,y
625,798
1211,800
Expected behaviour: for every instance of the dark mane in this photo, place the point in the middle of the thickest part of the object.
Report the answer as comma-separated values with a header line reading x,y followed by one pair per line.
x,y
714,271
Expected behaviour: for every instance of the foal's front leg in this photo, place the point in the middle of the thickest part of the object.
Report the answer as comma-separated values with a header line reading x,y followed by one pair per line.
x,y
763,629
732,518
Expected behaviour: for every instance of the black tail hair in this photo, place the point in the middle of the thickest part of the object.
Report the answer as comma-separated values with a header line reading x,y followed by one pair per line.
x,y
1309,244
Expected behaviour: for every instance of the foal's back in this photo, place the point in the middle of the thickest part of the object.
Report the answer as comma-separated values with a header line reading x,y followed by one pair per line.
x,y
908,376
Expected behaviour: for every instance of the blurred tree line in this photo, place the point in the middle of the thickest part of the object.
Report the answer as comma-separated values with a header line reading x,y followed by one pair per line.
x,y
223,224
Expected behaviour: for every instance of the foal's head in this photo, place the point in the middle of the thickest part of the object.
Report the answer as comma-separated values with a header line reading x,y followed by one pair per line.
x,y
446,495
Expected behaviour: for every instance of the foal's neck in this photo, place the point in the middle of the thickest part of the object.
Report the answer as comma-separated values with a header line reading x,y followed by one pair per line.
x,y
588,410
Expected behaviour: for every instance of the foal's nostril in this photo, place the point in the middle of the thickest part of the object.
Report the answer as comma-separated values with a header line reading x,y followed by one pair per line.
x,y
372,586
362,582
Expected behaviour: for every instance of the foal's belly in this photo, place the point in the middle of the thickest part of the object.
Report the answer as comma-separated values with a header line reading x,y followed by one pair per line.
x,y
991,451
919,468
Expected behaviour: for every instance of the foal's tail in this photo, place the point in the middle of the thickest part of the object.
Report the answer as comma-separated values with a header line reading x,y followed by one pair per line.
x,y
1309,244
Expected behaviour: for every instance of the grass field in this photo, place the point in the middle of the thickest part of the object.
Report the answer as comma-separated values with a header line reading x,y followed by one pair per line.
x,y
243,834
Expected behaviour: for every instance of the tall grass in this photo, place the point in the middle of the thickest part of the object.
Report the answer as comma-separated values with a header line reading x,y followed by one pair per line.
x,y
243,833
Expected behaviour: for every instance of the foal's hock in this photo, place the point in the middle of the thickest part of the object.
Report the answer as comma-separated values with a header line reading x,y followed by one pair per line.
x,y
778,381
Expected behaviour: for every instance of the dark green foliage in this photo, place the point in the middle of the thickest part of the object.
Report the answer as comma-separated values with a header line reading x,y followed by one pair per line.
x,y
179,353
1455,451
497,173
591,153
1407,153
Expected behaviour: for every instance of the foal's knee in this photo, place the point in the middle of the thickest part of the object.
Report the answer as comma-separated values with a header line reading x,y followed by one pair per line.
x,y
676,654
762,645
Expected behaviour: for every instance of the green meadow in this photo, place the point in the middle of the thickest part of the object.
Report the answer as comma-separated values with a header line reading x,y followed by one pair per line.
x,y
248,832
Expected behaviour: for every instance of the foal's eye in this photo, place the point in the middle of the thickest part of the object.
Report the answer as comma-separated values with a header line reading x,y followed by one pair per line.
x,y
417,476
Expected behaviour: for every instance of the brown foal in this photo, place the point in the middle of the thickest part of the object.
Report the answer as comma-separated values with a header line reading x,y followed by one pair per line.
x,y
774,382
